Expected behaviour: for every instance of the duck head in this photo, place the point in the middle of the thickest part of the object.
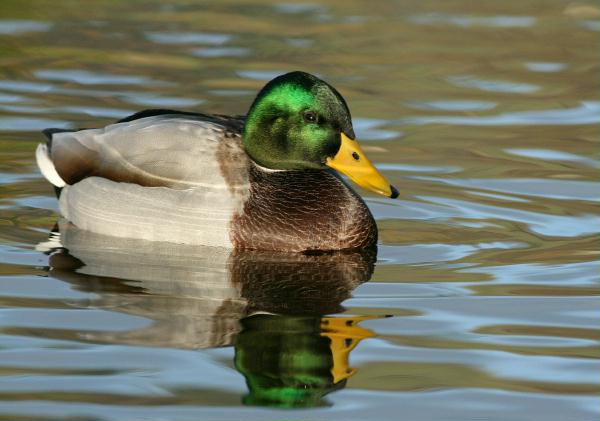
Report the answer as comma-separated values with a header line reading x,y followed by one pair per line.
x,y
298,121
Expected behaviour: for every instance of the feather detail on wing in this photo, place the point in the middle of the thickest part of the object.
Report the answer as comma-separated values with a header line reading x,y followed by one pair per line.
x,y
175,151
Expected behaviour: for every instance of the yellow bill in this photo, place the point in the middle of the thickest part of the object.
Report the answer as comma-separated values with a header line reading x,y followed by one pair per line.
x,y
352,161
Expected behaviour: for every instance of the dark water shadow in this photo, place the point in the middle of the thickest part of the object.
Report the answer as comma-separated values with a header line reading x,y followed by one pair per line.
x,y
274,308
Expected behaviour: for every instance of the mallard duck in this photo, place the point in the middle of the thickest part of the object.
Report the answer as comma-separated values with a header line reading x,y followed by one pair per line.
x,y
267,181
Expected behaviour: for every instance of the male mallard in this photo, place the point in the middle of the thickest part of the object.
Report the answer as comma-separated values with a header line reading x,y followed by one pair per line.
x,y
263,183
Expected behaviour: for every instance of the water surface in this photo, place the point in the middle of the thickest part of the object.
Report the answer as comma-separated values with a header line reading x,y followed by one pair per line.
x,y
482,300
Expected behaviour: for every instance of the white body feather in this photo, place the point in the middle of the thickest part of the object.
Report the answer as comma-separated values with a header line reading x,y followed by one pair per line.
x,y
196,207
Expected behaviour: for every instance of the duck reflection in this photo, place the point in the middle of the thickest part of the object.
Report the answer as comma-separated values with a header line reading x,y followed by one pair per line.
x,y
270,306
294,361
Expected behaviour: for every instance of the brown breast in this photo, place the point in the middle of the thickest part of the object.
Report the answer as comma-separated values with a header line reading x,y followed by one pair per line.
x,y
302,210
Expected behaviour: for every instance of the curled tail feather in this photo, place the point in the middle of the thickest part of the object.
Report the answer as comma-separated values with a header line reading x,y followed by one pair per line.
x,y
46,166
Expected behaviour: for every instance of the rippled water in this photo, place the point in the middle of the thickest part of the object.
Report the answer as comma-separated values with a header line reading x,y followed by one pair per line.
x,y
482,302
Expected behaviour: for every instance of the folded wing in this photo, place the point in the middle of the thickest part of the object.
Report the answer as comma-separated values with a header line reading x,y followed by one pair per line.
x,y
169,150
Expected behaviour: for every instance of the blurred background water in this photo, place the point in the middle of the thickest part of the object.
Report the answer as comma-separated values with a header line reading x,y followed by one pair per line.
x,y
482,302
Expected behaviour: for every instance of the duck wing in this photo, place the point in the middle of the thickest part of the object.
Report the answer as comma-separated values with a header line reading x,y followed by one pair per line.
x,y
153,148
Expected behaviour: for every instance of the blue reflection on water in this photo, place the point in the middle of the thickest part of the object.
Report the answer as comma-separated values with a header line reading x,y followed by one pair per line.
x,y
585,113
19,27
183,38
501,21
492,85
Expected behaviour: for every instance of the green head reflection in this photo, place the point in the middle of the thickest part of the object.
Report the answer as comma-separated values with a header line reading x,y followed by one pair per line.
x,y
294,361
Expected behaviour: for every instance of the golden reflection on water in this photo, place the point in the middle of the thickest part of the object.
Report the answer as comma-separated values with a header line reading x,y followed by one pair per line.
x,y
484,114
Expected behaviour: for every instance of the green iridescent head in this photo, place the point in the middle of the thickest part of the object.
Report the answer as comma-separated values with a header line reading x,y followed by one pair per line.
x,y
298,121
295,123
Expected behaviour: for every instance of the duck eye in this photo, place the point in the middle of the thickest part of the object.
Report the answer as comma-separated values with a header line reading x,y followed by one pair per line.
x,y
310,117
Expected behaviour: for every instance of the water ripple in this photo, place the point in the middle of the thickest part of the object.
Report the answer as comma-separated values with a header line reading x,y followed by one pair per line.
x,y
18,27
11,99
487,263
435,253
585,113
555,189
157,100
592,25
262,75
105,112
541,223
368,129
469,20
552,155
448,169
85,77
28,124
300,42
545,67
25,86
220,52
295,8
86,319
186,38
453,105
492,85
132,97
74,109
567,274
